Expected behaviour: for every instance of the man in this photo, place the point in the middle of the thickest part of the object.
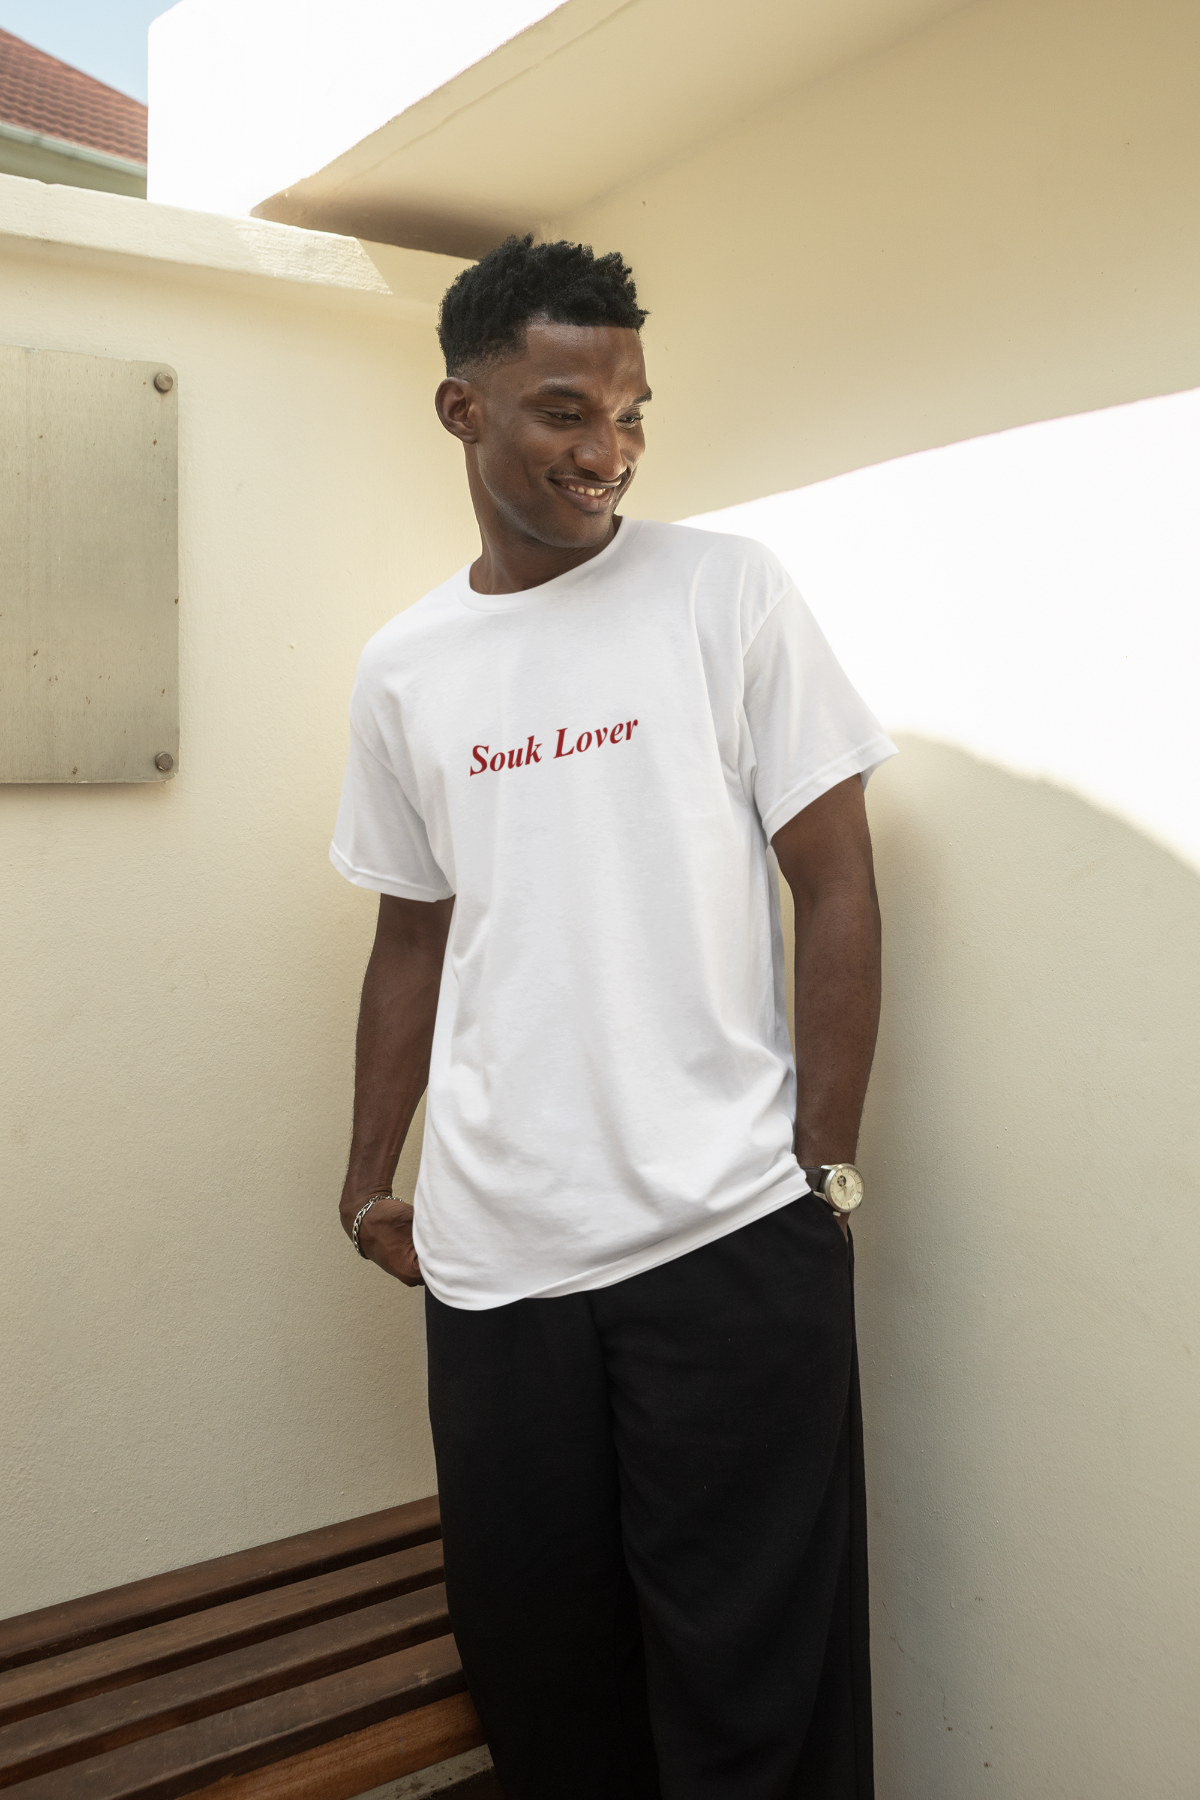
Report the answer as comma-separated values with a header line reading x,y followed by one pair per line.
x,y
566,766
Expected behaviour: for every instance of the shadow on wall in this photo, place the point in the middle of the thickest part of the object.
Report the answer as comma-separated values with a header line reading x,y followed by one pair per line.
x,y
1027,1294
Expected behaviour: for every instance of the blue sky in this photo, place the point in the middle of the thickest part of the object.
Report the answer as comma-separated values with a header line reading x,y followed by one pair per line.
x,y
106,38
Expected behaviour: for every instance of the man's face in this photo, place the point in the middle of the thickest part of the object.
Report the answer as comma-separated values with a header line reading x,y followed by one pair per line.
x,y
554,433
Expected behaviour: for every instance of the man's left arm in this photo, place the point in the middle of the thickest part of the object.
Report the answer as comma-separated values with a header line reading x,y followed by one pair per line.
x,y
825,855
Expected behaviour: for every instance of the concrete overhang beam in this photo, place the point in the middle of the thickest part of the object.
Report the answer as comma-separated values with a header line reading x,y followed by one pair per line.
x,y
576,105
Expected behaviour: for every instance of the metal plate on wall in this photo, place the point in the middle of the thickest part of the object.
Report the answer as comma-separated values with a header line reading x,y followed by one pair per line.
x,y
89,568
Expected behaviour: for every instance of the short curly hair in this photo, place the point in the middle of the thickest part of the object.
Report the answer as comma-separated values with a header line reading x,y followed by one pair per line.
x,y
485,309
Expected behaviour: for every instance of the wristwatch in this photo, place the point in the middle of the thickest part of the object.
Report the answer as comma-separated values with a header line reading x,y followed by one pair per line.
x,y
839,1184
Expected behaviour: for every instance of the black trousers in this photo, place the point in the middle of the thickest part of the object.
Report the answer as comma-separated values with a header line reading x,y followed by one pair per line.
x,y
655,1525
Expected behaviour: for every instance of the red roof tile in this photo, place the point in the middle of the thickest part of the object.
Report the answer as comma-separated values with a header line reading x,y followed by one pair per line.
x,y
39,93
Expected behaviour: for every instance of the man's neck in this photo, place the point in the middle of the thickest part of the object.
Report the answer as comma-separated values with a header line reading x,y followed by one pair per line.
x,y
508,566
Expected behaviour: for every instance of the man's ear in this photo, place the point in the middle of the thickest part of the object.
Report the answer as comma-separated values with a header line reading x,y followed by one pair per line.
x,y
456,402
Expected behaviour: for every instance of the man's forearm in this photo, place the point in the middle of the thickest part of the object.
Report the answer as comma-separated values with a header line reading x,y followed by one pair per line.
x,y
395,1035
824,853
837,1018
391,1071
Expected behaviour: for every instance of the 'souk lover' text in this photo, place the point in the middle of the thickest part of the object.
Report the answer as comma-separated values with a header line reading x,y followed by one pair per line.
x,y
485,760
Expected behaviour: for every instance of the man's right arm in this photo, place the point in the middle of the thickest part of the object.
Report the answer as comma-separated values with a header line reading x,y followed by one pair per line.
x,y
395,1036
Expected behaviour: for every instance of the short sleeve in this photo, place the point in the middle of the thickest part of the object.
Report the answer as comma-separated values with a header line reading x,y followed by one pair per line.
x,y
809,727
380,841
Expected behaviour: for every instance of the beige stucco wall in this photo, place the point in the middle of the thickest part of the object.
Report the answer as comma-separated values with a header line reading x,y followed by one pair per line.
x,y
992,222
191,1358
1027,1315
1027,1294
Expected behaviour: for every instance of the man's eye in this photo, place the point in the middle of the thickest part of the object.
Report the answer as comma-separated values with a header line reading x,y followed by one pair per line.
x,y
570,417
632,418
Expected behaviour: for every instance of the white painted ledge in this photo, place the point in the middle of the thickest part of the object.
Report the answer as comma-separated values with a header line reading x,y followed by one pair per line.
x,y
409,281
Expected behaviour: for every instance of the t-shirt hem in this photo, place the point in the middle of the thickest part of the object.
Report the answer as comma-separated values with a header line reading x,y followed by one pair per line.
x,y
385,884
653,1256
863,761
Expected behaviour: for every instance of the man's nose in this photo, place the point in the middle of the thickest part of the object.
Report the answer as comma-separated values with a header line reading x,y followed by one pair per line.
x,y
600,453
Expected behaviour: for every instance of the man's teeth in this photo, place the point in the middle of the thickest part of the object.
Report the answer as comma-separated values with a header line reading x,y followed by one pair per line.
x,y
592,493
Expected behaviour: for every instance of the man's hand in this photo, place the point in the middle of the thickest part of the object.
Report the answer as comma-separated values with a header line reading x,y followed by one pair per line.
x,y
386,1236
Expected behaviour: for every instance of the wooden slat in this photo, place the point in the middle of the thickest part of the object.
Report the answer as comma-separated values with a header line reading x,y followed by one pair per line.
x,y
350,1765
175,1763
54,1629
68,1734
60,1680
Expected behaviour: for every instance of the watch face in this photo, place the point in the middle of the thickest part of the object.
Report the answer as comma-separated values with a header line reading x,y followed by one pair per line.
x,y
844,1187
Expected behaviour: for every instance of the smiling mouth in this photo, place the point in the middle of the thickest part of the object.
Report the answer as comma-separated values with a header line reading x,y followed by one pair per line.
x,y
586,491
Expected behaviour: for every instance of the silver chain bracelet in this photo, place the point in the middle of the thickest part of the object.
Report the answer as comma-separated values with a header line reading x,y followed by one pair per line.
x,y
383,1194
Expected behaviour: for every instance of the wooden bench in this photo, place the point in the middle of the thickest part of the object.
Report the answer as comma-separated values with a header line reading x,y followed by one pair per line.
x,y
309,1669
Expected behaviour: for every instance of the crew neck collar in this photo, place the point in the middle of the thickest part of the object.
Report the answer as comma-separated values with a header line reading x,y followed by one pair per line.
x,y
547,592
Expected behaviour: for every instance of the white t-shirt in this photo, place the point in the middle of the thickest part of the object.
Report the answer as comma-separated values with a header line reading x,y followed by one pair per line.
x,y
593,769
